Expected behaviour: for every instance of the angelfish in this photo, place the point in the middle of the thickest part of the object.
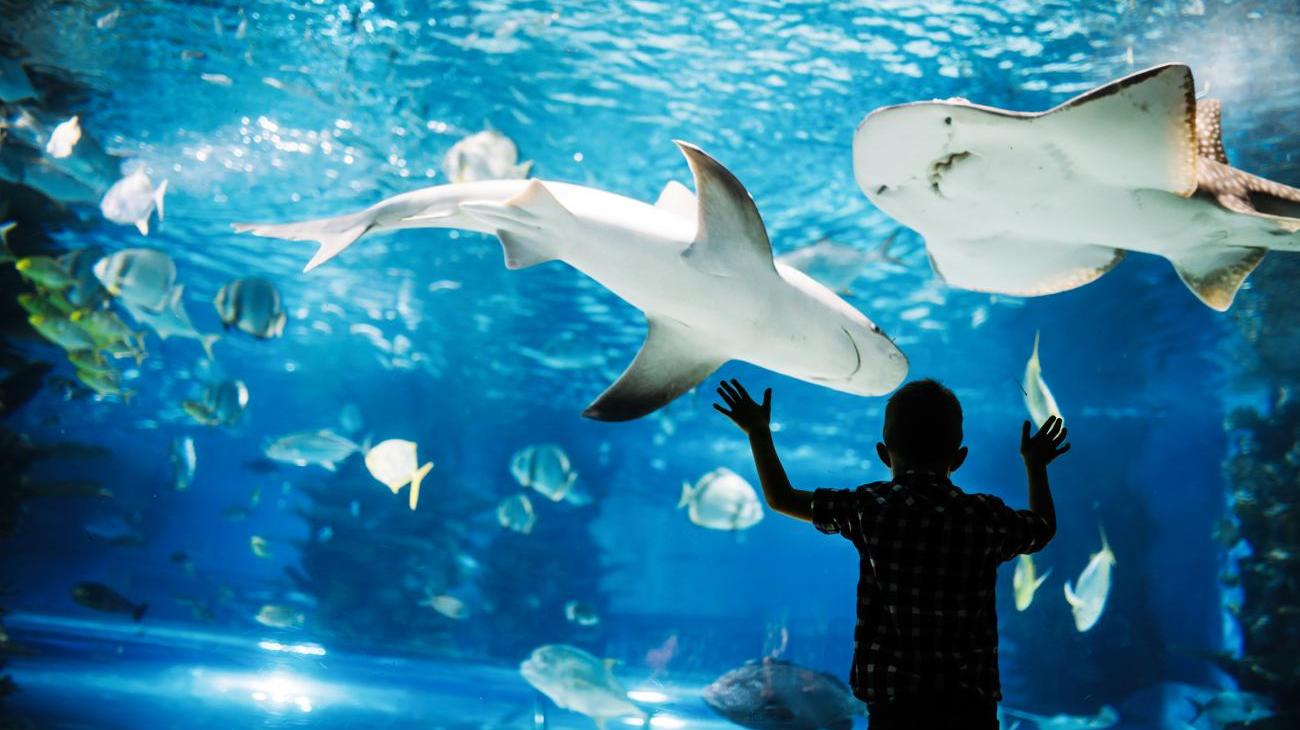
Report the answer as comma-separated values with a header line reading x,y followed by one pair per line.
x,y
721,500
142,277
394,463
1038,397
698,265
133,199
1025,581
545,469
1087,598
252,305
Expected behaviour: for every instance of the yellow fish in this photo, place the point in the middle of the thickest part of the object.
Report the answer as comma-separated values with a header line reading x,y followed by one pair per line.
x,y
259,546
1038,398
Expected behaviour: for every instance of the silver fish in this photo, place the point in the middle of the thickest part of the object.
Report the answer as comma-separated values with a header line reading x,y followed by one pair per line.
x,y
142,277
133,199
252,305
173,320
323,448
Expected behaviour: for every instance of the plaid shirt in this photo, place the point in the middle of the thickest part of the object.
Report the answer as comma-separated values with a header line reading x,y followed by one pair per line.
x,y
929,553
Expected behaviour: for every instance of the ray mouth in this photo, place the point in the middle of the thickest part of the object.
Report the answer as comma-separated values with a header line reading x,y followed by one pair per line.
x,y
941,166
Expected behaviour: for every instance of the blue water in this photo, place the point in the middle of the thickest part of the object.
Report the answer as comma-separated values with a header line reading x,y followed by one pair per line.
x,y
279,111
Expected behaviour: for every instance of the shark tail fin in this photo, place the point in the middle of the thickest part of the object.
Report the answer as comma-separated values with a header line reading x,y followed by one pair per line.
x,y
1215,273
416,479
333,234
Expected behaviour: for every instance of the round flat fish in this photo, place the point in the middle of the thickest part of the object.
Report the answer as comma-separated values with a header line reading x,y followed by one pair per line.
x,y
253,306
142,277
545,469
133,199
722,500
776,695
516,513
486,155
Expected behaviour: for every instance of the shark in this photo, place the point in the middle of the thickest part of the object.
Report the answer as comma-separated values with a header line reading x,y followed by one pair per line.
x,y
1036,203
699,265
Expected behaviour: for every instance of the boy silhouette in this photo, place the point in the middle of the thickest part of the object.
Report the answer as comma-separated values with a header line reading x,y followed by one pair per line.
x,y
925,653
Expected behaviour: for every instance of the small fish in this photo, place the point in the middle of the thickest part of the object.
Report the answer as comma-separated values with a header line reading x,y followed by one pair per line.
x,y
184,462
64,138
114,530
133,199
394,463
173,320
252,305
142,277
1038,398
449,606
576,680
1089,599
323,448
580,613
107,20
487,155
835,264
104,326
277,616
721,500
516,513
45,271
133,349
259,546
1231,707
1105,718
545,469
33,304
91,361
222,404
105,383
100,597
1024,583
62,332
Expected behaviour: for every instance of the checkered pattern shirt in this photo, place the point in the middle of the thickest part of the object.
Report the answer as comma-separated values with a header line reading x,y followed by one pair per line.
x,y
927,623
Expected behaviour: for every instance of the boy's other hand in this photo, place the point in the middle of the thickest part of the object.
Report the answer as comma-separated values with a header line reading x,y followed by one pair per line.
x,y
1043,447
751,417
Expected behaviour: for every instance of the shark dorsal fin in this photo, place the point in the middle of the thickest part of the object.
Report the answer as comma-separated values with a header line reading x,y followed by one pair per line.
x,y
1209,130
672,360
1149,122
730,236
677,199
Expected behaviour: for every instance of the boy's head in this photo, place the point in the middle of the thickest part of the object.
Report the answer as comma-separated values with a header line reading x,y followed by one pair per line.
x,y
923,429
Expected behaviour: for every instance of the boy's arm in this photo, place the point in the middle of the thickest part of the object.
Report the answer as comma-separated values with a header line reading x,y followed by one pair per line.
x,y
1038,451
755,420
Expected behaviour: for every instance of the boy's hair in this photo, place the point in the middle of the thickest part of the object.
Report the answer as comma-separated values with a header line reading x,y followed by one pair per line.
x,y
923,423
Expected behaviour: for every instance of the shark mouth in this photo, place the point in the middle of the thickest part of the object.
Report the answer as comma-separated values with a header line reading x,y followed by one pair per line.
x,y
941,166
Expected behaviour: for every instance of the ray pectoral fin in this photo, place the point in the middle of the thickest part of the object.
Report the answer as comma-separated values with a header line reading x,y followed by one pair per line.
x,y
1008,265
1215,273
670,362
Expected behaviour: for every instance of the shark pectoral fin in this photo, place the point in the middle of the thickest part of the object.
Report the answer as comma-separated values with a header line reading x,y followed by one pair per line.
x,y
1006,265
1214,273
1209,130
671,362
677,199
1149,120
729,236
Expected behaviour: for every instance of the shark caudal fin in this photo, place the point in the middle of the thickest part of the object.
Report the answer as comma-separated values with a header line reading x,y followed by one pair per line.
x,y
333,234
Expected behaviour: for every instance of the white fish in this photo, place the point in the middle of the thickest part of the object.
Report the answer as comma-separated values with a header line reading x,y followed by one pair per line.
x,y
252,305
1088,599
323,448
133,199
487,155
277,616
172,320
64,138
698,265
516,513
394,463
449,606
580,613
1025,581
184,462
578,681
545,469
1106,717
142,277
722,500
1038,397
1030,204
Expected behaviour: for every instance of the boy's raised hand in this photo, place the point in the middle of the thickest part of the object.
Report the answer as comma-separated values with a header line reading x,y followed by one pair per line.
x,y
744,412
1043,447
